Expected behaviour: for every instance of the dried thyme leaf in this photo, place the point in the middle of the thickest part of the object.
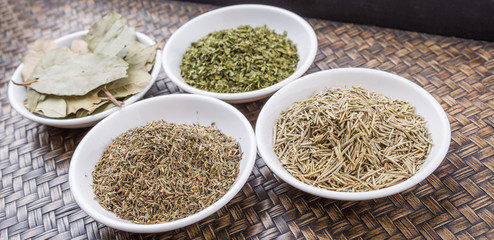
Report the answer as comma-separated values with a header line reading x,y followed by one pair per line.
x,y
351,140
161,172
239,60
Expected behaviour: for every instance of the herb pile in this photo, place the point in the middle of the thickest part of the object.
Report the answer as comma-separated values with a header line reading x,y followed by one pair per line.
x,y
96,73
163,171
239,60
351,140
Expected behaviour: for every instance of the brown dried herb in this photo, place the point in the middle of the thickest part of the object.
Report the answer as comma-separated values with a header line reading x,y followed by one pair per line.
x,y
351,140
162,171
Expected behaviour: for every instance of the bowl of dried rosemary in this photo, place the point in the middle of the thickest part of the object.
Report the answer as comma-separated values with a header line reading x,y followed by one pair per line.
x,y
352,134
239,53
154,169
80,78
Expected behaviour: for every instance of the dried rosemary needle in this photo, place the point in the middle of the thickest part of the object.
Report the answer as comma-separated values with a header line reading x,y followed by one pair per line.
x,y
163,171
351,140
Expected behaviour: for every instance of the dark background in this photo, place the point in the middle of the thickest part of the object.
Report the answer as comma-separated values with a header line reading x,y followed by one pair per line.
x,y
473,19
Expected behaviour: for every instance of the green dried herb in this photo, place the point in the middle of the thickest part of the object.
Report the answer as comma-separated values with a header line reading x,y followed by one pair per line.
x,y
79,75
239,60
351,140
162,171
98,72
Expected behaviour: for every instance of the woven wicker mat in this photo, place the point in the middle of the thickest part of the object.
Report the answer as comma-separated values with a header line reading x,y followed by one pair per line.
x,y
456,202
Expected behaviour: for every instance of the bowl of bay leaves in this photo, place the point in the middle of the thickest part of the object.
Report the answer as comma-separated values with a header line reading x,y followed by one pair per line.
x,y
353,134
240,53
78,79
153,169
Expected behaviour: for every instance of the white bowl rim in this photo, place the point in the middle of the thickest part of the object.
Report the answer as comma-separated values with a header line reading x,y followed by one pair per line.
x,y
162,227
256,94
88,120
263,148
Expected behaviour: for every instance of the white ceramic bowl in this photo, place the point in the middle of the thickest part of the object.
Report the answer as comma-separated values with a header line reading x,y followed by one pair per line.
x,y
177,108
373,80
17,94
280,20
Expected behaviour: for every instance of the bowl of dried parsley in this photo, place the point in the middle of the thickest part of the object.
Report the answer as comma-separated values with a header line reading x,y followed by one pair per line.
x,y
239,53
154,169
353,134
80,78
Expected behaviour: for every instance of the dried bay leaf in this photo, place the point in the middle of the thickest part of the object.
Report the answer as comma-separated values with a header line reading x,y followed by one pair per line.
x,y
51,58
85,102
68,83
46,105
110,36
79,47
51,106
31,59
32,99
149,66
95,101
80,113
117,40
46,53
80,75
98,29
102,106
136,81
139,56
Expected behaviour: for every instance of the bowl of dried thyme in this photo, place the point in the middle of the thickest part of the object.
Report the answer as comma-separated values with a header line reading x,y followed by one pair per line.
x,y
78,79
352,134
239,53
154,169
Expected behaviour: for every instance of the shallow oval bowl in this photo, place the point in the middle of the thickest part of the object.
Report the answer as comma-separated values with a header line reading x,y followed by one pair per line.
x,y
385,83
278,19
177,108
17,94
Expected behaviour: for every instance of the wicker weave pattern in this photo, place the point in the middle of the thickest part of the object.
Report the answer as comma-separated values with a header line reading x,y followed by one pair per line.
x,y
456,202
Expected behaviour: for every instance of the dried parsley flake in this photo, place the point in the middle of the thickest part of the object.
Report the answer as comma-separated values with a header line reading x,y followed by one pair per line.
x,y
239,60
